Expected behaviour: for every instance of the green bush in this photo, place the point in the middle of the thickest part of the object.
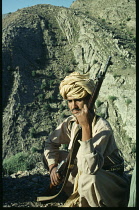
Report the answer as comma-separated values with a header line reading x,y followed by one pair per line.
x,y
112,98
98,103
128,19
87,12
63,115
32,132
52,98
46,107
34,149
51,83
95,61
134,38
67,69
116,75
43,85
74,62
103,20
101,114
18,162
49,25
40,97
33,73
133,148
61,107
8,68
128,101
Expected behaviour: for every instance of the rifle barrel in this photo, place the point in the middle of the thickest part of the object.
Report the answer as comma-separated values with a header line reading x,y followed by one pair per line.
x,y
98,84
107,64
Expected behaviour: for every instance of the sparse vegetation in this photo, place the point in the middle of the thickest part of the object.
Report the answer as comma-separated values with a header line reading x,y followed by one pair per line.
x,y
52,98
20,162
8,68
33,73
112,98
94,61
34,149
74,62
98,103
101,114
103,20
51,83
116,75
40,97
128,101
128,19
46,107
67,69
61,107
43,85
32,132
63,115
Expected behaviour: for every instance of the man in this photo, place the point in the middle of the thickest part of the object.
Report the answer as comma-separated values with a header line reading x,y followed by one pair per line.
x,y
97,180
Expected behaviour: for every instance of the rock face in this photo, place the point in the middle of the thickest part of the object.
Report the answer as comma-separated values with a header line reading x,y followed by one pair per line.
x,y
44,43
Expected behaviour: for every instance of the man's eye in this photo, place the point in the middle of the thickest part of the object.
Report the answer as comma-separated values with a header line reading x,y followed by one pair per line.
x,y
79,99
69,101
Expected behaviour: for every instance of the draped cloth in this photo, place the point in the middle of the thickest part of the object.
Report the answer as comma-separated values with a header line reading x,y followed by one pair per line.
x,y
73,200
76,85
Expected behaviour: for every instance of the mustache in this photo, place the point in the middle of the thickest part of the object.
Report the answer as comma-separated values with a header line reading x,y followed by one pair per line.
x,y
76,109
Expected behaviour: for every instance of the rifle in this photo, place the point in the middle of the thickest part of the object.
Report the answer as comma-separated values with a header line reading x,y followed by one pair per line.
x,y
65,166
99,79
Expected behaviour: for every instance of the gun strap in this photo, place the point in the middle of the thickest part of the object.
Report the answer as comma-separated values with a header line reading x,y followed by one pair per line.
x,y
72,155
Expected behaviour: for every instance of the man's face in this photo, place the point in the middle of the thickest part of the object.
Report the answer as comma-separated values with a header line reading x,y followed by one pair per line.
x,y
75,105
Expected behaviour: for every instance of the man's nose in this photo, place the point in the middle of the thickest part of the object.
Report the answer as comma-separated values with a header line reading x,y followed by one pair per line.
x,y
74,104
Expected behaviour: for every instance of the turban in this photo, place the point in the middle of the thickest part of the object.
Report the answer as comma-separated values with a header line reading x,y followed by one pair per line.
x,y
76,86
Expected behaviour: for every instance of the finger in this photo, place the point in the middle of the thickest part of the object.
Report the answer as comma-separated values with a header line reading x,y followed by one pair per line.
x,y
53,178
57,179
52,181
58,176
85,108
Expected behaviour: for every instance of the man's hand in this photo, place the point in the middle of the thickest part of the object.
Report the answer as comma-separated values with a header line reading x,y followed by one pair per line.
x,y
85,118
55,177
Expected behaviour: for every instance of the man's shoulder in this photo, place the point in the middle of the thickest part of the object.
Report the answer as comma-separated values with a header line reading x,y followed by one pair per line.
x,y
68,122
103,123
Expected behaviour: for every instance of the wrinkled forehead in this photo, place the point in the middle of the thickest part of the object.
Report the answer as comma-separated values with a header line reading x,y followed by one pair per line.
x,y
75,98
71,98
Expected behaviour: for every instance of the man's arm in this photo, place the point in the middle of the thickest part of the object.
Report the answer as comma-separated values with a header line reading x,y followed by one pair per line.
x,y
60,136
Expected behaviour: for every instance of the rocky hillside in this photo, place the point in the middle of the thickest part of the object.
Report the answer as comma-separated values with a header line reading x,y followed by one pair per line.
x,y
44,43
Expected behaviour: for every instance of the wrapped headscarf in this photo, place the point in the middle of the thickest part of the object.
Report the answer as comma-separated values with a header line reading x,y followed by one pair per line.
x,y
76,85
